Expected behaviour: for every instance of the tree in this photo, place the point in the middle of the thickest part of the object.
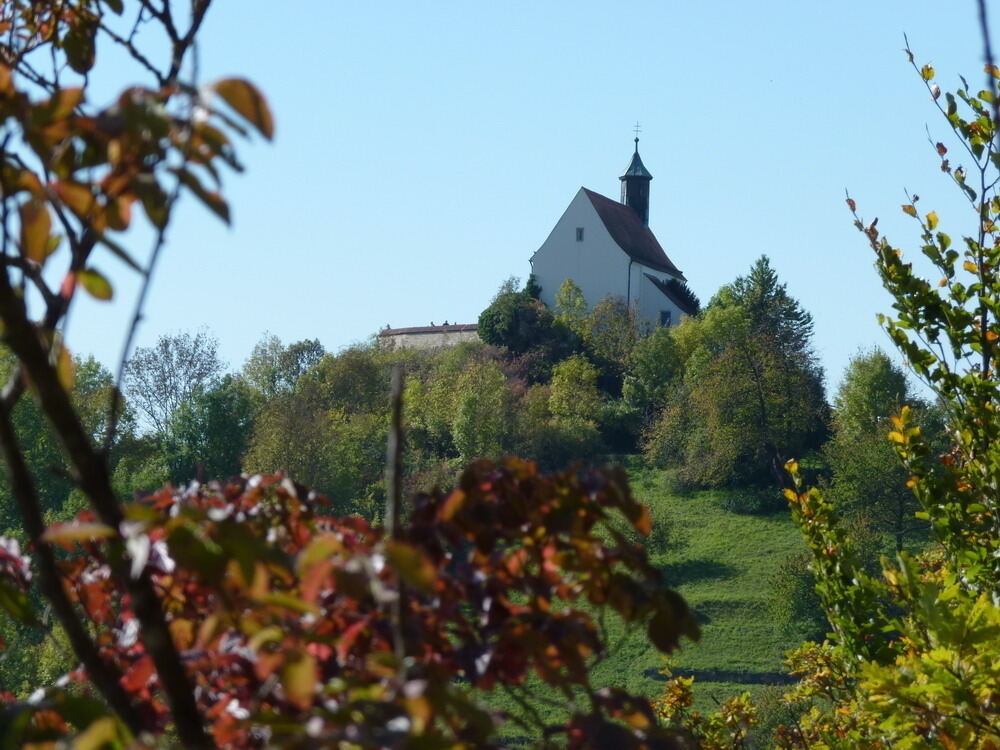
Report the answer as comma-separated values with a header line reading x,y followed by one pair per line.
x,y
241,613
482,422
70,174
571,307
160,378
574,395
772,312
207,435
743,405
274,368
867,479
914,659
656,367
515,321
610,333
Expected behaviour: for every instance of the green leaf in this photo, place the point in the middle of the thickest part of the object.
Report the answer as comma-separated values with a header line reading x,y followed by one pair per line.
x,y
78,44
672,620
212,200
247,100
119,252
16,603
287,601
95,284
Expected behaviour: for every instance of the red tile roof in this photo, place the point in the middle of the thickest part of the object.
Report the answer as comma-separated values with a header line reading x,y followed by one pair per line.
x,y
631,235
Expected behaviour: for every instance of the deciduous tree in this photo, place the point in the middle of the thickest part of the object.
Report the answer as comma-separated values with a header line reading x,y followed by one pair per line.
x,y
159,378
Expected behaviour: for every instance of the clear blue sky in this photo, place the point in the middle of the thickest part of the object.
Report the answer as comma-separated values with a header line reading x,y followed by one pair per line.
x,y
425,150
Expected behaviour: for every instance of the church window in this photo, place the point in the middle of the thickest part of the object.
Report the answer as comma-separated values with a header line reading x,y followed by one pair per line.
x,y
579,234
664,317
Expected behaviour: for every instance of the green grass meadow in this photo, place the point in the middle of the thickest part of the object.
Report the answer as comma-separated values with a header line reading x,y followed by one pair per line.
x,y
722,563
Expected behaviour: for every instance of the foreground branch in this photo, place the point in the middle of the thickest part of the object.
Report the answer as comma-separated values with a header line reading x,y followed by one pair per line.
x,y
105,676
93,478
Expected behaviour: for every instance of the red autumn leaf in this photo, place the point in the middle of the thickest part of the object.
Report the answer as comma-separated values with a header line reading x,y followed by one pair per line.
x,y
138,675
347,639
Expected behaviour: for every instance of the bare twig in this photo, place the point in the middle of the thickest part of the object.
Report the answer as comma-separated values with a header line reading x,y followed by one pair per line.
x,y
393,499
393,457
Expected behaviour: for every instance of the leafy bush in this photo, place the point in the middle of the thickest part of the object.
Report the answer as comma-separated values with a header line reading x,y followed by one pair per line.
x,y
794,604
285,617
754,501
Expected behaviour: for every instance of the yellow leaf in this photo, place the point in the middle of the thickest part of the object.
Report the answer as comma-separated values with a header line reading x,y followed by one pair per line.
x,y
970,267
36,224
95,284
101,733
65,368
244,97
298,678
897,437
927,72
61,533
993,70
932,220
909,209
78,197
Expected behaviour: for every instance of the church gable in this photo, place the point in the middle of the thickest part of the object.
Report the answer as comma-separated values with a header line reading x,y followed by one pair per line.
x,y
580,247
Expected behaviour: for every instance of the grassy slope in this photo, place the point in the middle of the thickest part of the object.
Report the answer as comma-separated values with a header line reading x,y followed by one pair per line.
x,y
722,566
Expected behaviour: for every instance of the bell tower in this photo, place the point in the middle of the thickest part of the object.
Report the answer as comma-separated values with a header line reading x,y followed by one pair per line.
x,y
635,185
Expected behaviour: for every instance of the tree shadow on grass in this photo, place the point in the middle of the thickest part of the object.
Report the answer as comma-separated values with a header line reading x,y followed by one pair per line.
x,y
690,571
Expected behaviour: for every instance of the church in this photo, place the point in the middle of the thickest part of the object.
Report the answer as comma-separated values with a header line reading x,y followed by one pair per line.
x,y
607,248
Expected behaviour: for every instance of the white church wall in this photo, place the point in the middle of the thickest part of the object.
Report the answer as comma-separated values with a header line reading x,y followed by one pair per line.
x,y
596,264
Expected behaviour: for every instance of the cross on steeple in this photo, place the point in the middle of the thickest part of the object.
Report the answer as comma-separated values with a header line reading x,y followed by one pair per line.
x,y
635,183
